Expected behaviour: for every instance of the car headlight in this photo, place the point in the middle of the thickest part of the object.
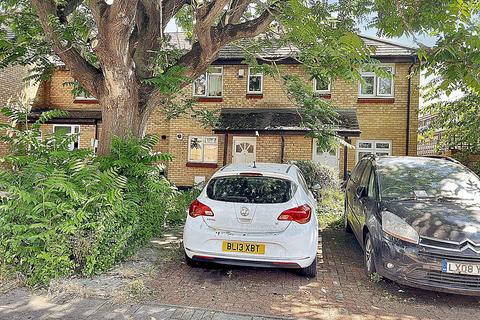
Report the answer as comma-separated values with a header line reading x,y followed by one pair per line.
x,y
396,227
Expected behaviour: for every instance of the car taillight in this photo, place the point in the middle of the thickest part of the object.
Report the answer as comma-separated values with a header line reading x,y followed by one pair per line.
x,y
301,214
199,209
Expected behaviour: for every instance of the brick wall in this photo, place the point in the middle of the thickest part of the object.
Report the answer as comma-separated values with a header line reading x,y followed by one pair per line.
x,y
11,87
378,121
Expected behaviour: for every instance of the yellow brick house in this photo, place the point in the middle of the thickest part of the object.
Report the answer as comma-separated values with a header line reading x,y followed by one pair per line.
x,y
257,120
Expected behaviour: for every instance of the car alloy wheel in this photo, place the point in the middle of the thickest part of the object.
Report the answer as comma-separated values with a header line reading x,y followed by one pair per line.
x,y
369,255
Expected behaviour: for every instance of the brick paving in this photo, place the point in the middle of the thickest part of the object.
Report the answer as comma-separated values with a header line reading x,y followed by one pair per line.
x,y
341,290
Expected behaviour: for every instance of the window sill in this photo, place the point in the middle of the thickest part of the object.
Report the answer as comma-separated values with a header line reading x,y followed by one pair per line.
x,y
201,165
254,96
86,101
376,100
209,99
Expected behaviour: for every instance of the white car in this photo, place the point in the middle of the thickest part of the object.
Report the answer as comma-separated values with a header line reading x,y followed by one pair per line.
x,y
262,215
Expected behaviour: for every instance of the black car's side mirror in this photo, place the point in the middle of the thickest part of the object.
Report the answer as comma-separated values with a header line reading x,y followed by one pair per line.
x,y
361,192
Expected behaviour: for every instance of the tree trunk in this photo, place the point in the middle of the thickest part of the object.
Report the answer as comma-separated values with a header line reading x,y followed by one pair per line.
x,y
121,114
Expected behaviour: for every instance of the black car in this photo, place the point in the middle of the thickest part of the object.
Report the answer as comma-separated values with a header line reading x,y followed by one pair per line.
x,y
417,220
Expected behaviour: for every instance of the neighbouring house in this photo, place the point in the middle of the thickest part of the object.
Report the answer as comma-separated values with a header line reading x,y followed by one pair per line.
x,y
432,144
257,121
12,88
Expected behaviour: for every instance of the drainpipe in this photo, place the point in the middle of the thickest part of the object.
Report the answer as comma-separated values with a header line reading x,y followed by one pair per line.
x,y
96,135
409,93
282,148
345,160
225,148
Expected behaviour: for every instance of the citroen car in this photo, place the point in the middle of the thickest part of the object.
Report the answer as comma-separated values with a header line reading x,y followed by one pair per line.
x,y
260,215
417,220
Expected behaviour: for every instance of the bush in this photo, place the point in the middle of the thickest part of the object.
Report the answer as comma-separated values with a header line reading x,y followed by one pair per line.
x,y
316,173
64,212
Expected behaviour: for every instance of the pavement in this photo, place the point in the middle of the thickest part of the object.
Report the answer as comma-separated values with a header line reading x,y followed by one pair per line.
x,y
20,304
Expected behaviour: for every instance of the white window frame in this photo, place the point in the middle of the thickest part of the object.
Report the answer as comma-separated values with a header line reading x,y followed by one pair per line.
x,y
206,73
376,83
250,74
85,96
72,131
189,159
373,149
320,91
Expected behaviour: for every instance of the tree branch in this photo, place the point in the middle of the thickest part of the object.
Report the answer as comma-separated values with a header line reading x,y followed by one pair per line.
x,y
235,12
249,28
63,11
89,77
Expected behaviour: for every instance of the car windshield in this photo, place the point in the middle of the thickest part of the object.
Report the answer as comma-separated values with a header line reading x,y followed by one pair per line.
x,y
426,178
251,189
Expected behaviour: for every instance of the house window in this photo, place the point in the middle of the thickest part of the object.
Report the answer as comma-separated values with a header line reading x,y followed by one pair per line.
x,y
255,82
375,86
320,87
209,84
84,96
203,149
65,129
376,147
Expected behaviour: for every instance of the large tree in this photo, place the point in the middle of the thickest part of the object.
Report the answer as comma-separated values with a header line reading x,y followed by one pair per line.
x,y
118,51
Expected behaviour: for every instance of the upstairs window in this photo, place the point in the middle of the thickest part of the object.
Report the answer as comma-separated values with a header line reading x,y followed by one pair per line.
x,y
84,95
255,82
79,92
209,84
66,129
375,86
320,87
203,149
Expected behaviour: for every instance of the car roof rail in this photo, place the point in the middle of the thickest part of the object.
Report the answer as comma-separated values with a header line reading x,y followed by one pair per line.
x,y
369,155
439,156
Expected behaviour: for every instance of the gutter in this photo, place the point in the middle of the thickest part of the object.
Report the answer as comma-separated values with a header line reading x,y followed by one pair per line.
x,y
409,93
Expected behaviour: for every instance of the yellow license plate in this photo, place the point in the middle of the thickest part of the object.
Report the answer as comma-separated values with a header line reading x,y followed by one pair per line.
x,y
243,247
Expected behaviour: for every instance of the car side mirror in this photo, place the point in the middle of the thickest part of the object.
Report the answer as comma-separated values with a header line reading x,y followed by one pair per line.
x,y
361,192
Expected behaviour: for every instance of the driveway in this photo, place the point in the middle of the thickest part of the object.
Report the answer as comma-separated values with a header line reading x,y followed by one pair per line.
x,y
157,283
341,290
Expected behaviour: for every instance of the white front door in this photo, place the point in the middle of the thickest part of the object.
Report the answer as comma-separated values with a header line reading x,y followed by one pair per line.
x,y
244,150
328,158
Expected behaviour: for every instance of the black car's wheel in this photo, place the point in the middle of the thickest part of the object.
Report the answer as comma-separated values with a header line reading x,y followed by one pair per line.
x,y
310,271
369,256
346,225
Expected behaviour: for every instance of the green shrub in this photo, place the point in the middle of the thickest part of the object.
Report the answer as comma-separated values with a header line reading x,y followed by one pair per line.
x,y
316,173
177,211
330,208
64,212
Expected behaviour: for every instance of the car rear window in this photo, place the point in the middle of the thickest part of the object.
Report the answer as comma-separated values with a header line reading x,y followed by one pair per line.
x,y
251,189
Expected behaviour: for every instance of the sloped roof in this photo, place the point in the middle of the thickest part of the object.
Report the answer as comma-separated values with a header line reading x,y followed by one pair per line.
x,y
279,119
73,116
235,51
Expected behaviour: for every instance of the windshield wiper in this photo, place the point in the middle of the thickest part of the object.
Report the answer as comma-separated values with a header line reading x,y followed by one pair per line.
x,y
401,199
447,198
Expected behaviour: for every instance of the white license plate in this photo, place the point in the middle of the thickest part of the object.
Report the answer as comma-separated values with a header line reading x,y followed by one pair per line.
x,y
461,268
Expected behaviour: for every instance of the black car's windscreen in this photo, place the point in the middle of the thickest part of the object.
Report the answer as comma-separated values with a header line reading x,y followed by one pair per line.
x,y
425,178
251,189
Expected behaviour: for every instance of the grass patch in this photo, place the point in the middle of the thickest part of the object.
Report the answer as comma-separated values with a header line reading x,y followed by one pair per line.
x,y
330,208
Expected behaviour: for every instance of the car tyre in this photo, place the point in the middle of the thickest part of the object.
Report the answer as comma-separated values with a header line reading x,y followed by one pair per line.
x,y
369,256
190,262
346,225
311,270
